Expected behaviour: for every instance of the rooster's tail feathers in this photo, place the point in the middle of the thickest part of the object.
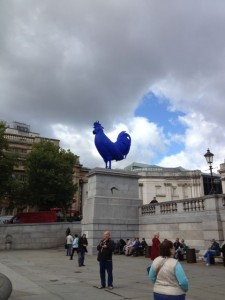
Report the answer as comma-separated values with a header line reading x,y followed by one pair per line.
x,y
123,142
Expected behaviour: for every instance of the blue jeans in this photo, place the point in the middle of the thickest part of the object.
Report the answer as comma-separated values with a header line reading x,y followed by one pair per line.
x,y
68,250
209,254
81,255
106,265
168,297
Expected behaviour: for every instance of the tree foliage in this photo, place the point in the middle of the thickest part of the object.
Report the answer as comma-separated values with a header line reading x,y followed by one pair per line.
x,y
50,176
7,162
19,194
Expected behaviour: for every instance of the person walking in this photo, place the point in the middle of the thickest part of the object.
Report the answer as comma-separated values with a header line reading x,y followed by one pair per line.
x,y
82,248
167,274
105,250
85,243
74,246
69,242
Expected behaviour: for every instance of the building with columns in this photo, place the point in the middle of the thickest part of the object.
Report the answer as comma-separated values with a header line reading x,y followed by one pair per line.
x,y
170,184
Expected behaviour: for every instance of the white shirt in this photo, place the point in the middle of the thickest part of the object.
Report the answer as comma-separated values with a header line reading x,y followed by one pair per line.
x,y
69,239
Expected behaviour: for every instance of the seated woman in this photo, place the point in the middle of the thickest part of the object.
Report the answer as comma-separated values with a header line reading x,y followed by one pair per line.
x,y
122,244
179,254
177,243
127,246
143,246
213,250
133,250
119,247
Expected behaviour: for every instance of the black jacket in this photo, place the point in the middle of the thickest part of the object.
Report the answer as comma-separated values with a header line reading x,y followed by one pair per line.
x,y
215,246
105,253
81,244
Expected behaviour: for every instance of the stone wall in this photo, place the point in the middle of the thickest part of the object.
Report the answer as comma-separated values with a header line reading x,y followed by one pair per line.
x,y
196,220
112,203
35,236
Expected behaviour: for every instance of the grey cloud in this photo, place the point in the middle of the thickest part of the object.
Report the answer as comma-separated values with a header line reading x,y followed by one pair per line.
x,y
74,62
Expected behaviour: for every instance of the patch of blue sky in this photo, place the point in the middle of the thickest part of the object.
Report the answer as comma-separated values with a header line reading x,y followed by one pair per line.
x,y
157,110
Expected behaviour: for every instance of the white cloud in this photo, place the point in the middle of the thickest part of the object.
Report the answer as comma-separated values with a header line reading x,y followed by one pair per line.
x,y
145,137
199,136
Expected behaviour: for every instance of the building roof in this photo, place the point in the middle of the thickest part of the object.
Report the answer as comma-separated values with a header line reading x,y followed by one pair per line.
x,y
138,167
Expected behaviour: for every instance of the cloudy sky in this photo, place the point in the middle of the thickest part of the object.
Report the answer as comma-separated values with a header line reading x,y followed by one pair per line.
x,y
154,68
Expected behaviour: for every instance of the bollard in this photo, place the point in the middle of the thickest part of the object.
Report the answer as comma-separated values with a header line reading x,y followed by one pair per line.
x,y
8,242
8,246
5,287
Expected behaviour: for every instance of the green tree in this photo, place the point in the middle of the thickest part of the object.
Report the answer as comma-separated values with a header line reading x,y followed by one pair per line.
x,y
7,162
50,176
19,194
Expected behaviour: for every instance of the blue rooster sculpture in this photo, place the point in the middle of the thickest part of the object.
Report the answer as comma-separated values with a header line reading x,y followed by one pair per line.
x,y
107,149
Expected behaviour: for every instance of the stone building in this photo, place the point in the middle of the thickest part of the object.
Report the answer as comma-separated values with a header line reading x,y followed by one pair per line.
x,y
21,140
169,184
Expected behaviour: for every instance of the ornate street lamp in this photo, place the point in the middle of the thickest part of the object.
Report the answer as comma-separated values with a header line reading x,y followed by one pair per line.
x,y
209,158
81,196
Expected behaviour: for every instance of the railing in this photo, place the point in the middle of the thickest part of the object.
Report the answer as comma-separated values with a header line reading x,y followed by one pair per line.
x,y
194,205
148,209
168,208
187,205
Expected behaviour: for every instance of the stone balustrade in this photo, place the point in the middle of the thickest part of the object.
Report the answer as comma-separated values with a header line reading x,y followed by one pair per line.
x,y
186,205
197,220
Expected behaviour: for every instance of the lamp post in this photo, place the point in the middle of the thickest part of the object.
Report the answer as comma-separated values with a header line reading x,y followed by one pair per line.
x,y
209,158
81,196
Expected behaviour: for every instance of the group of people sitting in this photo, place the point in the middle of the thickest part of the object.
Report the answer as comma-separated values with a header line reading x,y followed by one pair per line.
x,y
133,247
180,249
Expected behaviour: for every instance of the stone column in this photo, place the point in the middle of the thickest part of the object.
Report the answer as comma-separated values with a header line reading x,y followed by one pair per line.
x,y
222,174
212,223
112,204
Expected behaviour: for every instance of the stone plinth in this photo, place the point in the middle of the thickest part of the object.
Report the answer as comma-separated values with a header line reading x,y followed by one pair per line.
x,y
112,204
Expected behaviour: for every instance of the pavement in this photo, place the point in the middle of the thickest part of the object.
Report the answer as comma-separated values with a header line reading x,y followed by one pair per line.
x,y
50,275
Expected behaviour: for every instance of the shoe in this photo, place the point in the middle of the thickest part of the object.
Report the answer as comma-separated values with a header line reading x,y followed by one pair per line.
x,y
110,287
207,265
101,287
83,265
